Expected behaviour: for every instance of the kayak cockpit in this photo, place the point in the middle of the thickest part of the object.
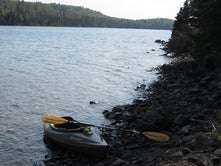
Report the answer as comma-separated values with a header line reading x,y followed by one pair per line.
x,y
67,127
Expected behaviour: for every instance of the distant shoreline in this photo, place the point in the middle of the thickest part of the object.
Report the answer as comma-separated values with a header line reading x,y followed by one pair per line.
x,y
45,26
41,14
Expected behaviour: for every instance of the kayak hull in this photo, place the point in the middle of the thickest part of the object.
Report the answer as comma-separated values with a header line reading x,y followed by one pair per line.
x,y
92,144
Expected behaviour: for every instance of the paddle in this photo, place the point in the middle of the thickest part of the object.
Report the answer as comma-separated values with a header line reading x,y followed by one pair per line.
x,y
156,136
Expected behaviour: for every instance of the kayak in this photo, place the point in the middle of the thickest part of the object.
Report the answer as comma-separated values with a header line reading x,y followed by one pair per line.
x,y
77,137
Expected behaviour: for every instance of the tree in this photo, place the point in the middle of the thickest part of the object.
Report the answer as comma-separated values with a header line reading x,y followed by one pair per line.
x,y
196,32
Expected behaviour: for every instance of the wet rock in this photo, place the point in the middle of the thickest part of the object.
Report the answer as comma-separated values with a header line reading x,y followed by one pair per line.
x,y
106,113
140,87
92,102
162,42
121,108
158,41
114,115
137,101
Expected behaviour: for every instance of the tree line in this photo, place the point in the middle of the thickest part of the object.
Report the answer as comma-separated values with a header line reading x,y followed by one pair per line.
x,y
18,12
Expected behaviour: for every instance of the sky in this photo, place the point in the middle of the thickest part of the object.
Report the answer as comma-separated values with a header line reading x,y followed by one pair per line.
x,y
131,9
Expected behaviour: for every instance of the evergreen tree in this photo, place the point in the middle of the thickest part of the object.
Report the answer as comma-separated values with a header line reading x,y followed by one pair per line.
x,y
196,32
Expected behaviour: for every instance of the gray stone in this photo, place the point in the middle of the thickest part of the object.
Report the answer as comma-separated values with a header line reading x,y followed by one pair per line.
x,y
217,152
185,129
177,154
118,162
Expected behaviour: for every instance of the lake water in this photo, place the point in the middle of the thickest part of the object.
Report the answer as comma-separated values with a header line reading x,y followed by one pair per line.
x,y
48,70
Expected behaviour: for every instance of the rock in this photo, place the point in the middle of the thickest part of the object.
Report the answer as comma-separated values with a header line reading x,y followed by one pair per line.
x,y
194,89
92,102
106,113
200,141
137,101
181,119
100,164
186,151
133,146
118,162
188,138
153,50
200,159
114,115
118,109
177,154
141,87
162,42
217,152
179,163
205,140
174,152
147,52
158,41
216,160
185,129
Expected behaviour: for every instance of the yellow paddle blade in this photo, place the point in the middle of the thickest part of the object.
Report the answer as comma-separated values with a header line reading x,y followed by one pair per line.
x,y
156,136
51,119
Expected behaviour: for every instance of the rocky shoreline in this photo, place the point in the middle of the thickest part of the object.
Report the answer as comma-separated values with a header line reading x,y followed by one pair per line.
x,y
184,103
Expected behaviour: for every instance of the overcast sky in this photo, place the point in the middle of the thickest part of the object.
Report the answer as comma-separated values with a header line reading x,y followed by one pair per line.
x,y
132,9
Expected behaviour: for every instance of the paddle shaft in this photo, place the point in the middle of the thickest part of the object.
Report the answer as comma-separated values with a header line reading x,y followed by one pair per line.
x,y
109,128
150,135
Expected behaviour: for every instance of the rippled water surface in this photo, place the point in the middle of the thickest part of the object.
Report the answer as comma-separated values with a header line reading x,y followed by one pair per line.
x,y
45,70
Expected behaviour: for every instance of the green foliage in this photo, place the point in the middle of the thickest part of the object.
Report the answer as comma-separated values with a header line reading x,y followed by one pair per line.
x,y
15,12
196,31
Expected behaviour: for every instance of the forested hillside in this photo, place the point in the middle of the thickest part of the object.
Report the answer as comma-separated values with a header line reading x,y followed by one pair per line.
x,y
15,12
